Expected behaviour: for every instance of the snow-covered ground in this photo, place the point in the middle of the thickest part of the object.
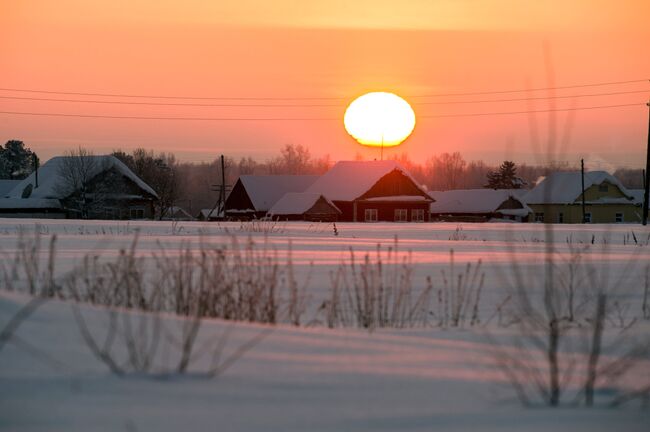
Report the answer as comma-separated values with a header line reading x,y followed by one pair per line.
x,y
309,378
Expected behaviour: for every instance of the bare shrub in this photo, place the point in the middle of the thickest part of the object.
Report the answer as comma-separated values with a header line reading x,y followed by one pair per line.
x,y
460,295
377,292
561,315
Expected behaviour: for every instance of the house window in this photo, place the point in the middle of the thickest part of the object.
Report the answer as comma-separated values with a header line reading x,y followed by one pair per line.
x,y
136,213
603,187
619,218
539,217
587,217
371,215
417,215
401,215
560,217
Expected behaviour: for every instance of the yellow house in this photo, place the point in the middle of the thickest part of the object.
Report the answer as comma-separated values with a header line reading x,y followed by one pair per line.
x,y
558,199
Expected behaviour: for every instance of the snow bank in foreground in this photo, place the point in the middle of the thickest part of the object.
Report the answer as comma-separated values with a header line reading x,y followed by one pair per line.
x,y
294,380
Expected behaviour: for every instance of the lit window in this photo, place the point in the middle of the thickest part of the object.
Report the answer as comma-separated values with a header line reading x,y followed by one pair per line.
x,y
417,215
619,218
539,217
371,215
401,215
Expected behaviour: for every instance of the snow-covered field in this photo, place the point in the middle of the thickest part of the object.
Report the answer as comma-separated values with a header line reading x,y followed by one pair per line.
x,y
311,377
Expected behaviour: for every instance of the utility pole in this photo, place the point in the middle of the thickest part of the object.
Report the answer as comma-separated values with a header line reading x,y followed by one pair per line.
x,y
646,189
220,204
223,186
582,170
35,158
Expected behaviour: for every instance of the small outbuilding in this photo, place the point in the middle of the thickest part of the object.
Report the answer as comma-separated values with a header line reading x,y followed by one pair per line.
x,y
479,205
304,206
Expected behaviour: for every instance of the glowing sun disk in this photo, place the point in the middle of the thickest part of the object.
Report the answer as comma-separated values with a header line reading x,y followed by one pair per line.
x,y
379,117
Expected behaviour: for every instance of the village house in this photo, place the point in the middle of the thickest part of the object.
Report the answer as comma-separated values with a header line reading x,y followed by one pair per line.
x,y
304,206
252,196
89,187
558,199
479,205
371,191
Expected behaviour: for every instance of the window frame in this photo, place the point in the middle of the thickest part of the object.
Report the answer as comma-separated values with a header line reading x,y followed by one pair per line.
x,y
370,211
619,218
403,215
417,215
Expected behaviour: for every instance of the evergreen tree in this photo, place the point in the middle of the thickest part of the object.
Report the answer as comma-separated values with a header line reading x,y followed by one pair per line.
x,y
505,177
16,161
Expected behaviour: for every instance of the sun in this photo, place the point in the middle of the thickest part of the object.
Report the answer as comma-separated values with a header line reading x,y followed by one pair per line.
x,y
379,118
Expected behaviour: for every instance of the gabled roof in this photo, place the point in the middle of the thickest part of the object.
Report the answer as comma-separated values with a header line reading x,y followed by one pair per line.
x,y
266,190
637,194
349,180
296,203
566,187
6,186
50,180
468,201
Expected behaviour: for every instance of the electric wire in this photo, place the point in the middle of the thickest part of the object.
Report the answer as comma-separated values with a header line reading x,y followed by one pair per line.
x,y
230,105
119,95
120,117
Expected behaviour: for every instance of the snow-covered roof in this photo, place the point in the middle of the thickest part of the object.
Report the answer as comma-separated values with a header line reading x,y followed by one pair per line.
x,y
474,201
266,190
175,212
566,187
296,203
30,203
50,179
348,180
210,213
6,186
637,194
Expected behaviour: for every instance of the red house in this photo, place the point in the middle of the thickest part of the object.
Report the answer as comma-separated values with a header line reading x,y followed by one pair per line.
x,y
371,191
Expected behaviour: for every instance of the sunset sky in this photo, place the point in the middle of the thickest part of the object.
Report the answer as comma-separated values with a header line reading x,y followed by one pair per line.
x,y
318,56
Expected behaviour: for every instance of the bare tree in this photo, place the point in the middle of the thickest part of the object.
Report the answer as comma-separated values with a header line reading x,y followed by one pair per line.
x,y
76,184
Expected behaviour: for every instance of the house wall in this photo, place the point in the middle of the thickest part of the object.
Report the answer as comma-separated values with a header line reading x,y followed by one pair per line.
x,y
600,213
101,202
386,210
593,193
237,201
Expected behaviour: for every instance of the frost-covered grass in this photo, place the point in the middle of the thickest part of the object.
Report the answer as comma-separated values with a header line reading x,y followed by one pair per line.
x,y
434,377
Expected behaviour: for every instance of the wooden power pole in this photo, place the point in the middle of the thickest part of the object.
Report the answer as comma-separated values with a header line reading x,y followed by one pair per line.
x,y
646,189
582,170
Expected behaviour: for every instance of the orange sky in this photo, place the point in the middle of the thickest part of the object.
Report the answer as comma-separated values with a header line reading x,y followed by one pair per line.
x,y
328,49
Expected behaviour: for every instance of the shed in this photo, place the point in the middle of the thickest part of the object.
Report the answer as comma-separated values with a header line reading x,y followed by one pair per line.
x,y
304,206
479,205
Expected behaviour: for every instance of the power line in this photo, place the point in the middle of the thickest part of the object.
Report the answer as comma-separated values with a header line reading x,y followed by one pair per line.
x,y
119,95
116,117
312,105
